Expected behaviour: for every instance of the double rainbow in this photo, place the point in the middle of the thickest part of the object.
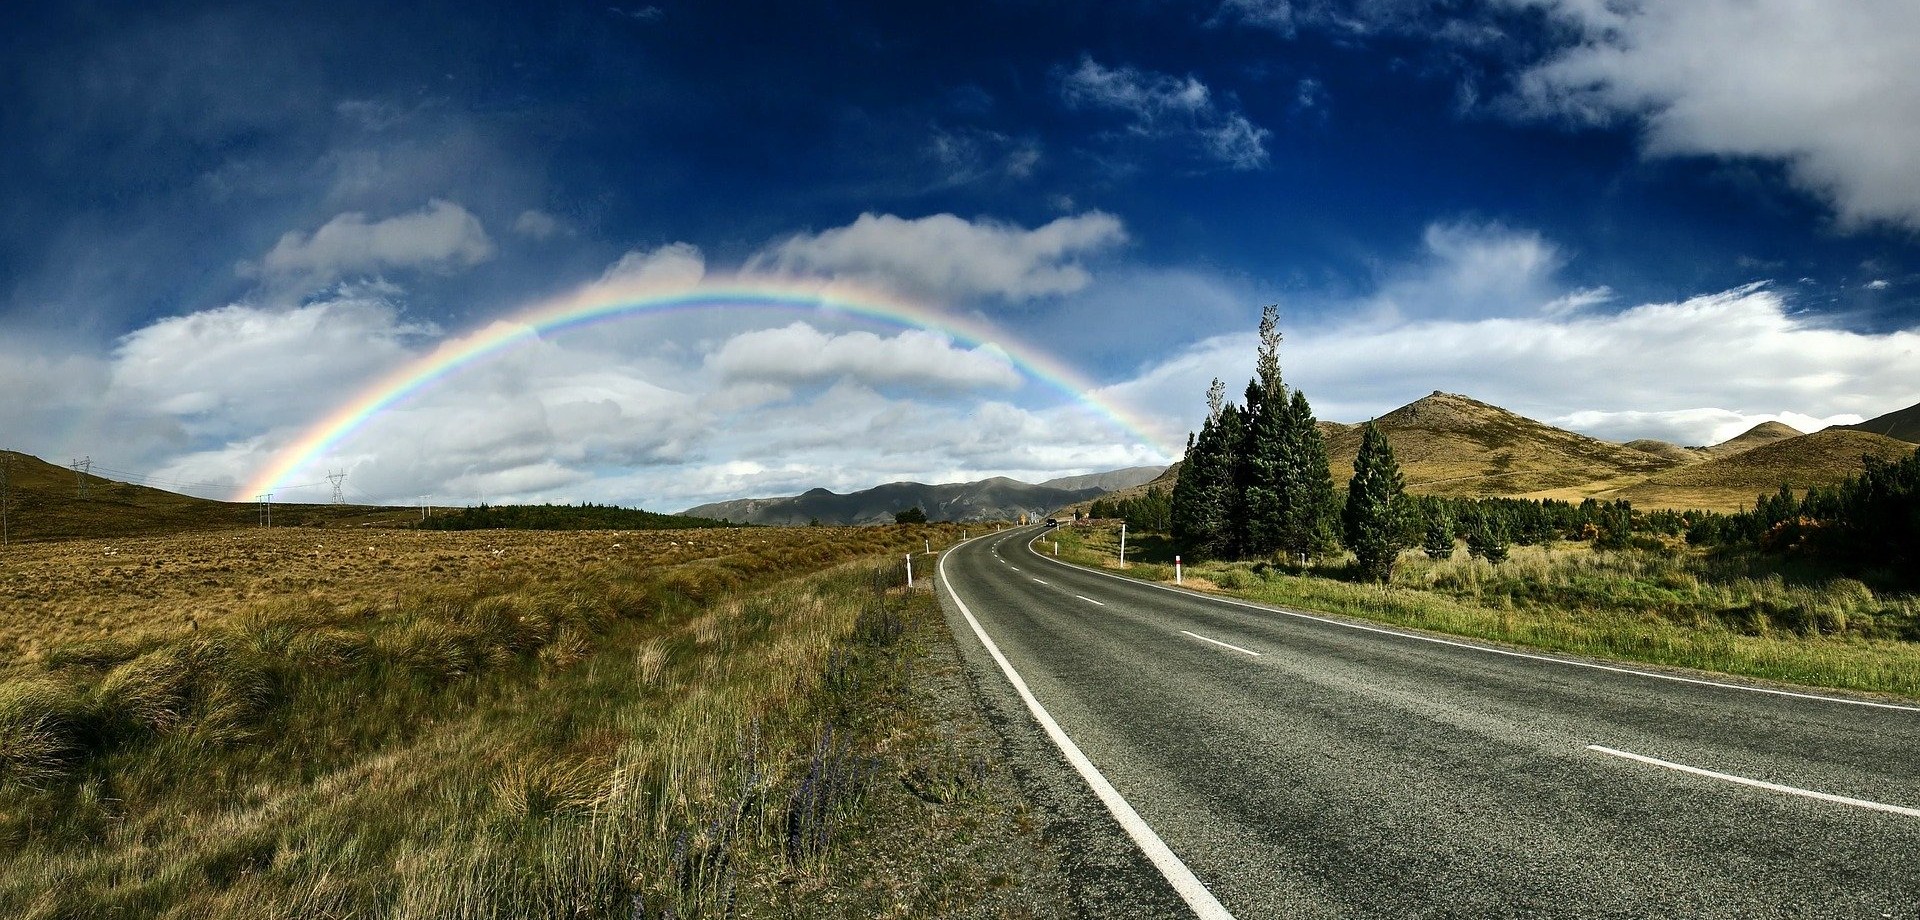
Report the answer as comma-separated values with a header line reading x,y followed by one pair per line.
x,y
610,302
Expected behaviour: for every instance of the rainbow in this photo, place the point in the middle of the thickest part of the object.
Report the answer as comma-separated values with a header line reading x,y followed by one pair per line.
x,y
613,301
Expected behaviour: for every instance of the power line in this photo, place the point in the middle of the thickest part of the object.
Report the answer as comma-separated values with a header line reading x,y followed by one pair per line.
x,y
80,469
337,477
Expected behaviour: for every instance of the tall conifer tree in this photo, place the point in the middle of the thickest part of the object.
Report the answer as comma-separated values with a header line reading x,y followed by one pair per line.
x,y
1263,470
1310,511
1375,504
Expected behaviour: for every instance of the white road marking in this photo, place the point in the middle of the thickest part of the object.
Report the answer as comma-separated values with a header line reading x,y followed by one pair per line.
x,y
1758,783
1217,642
1184,882
1014,567
1042,582
1089,600
1188,592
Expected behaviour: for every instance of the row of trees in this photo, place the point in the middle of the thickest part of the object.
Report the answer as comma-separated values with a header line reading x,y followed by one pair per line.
x,y
1255,481
562,517
1869,522
1152,512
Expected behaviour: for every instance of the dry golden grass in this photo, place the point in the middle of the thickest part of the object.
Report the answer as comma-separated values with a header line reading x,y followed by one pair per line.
x,y
462,725
57,593
1730,482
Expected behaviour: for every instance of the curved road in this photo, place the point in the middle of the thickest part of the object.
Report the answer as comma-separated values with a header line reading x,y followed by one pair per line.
x,y
1306,766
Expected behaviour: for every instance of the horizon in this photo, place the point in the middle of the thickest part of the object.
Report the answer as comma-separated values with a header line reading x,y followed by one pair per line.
x,y
229,227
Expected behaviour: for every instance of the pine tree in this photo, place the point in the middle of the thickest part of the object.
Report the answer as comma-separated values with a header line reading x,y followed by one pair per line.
x,y
1264,460
1438,544
1310,520
1487,539
1375,503
1203,494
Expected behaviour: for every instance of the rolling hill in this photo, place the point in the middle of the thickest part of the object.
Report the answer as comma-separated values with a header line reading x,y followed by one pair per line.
x,y
1903,424
1449,444
44,502
1454,445
998,498
1732,481
1758,436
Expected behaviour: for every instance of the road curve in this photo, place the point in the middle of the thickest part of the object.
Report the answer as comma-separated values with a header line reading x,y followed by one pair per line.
x,y
1300,766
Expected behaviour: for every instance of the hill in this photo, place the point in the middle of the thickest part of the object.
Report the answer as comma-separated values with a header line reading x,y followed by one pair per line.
x,y
45,502
1448,444
1758,436
998,498
1164,482
1903,424
1731,482
1673,452
1112,481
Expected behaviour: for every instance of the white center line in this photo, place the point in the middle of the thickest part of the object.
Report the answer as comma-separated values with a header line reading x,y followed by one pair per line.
x,y
1089,600
1758,783
1236,648
1042,582
1014,567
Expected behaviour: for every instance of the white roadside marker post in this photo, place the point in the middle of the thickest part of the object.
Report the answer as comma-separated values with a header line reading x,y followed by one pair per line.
x,y
1176,570
1123,544
1056,549
909,570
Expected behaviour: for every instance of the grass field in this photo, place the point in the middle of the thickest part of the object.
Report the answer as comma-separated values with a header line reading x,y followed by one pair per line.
x,y
706,723
1732,615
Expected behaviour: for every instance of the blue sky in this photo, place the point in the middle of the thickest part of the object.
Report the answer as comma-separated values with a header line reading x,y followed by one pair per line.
x,y
218,223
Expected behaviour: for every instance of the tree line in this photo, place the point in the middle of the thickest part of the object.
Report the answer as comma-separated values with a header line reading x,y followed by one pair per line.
x,y
1868,523
562,517
1255,482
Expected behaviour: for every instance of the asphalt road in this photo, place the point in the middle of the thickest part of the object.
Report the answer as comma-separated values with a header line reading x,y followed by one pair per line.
x,y
1305,768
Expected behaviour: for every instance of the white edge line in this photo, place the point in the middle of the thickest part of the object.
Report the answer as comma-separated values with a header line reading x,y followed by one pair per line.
x,y
1184,882
1758,783
1185,592
1090,600
1244,651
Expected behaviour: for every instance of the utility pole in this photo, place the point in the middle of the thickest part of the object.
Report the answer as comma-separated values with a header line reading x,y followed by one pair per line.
x,y
337,477
266,509
80,469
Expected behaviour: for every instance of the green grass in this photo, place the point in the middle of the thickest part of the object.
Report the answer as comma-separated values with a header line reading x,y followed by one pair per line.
x,y
1733,615
691,740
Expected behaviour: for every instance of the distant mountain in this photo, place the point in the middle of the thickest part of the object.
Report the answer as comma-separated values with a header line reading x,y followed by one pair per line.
x,y
1758,436
998,498
1903,424
1112,481
1732,481
1448,444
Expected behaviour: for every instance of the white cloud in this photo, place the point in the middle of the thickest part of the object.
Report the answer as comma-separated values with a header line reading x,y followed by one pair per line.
x,y
673,264
242,368
441,236
537,225
1879,284
1832,90
1476,269
947,257
799,353
1163,105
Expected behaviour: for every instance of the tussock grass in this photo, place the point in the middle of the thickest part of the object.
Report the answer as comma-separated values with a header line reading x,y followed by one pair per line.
x,y
1685,608
604,739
